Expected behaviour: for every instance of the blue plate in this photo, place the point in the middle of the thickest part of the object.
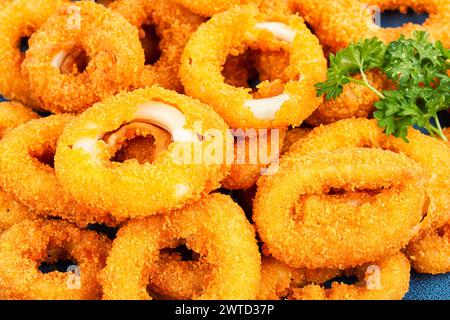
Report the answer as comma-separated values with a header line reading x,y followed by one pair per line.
x,y
422,287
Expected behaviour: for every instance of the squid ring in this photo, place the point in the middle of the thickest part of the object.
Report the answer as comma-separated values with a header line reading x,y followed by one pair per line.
x,y
385,279
303,225
18,21
27,172
135,251
338,23
81,55
26,245
173,24
208,8
431,154
278,105
182,173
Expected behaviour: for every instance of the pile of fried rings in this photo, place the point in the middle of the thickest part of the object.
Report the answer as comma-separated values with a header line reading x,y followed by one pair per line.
x,y
96,201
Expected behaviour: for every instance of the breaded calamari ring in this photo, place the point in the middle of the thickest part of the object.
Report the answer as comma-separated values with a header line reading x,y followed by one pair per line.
x,y
208,8
356,101
18,21
173,24
12,211
338,23
12,114
275,9
26,245
278,104
26,171
81,55
385,279
215,228
191,167
278,280
431,254
293,136
255,151
302,224
430,153
175,279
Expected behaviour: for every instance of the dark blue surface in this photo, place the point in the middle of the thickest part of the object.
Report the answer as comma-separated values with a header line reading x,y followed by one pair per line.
x,y
423,287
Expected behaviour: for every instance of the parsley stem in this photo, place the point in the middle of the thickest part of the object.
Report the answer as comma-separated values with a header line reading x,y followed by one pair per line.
x,y
439,127
366,83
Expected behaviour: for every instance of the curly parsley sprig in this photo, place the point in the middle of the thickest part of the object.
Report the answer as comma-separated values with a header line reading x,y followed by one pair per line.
x,y
416,66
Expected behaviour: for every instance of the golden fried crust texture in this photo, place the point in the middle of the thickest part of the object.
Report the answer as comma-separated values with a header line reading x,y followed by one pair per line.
x,y
26,168
173,25
17,21
339,209
231,33
130,189
430,153
208,8
215,228
338,23
81,55
26,245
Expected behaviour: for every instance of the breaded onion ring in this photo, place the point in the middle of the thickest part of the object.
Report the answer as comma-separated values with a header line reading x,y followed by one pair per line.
x,y
303,225
81,55
216,228
254,152
179,175
18,21
173,24
208,8
278,104
26,171
431,154
338,23
28,244
356,101
386,279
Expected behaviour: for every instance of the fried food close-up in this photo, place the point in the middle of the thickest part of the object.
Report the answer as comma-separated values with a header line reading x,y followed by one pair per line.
x,y
242,150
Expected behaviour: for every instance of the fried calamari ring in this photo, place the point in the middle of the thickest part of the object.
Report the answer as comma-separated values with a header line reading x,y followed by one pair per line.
x,y
356,101
12,211
303,223
277,103
17,22
81,55
26,171
254,152
338,23
190,168
437,24
431,254
215,228
173,25
386,279
275,9
26,245
293,136
278,280
13,114
431,154
176,279
208,8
